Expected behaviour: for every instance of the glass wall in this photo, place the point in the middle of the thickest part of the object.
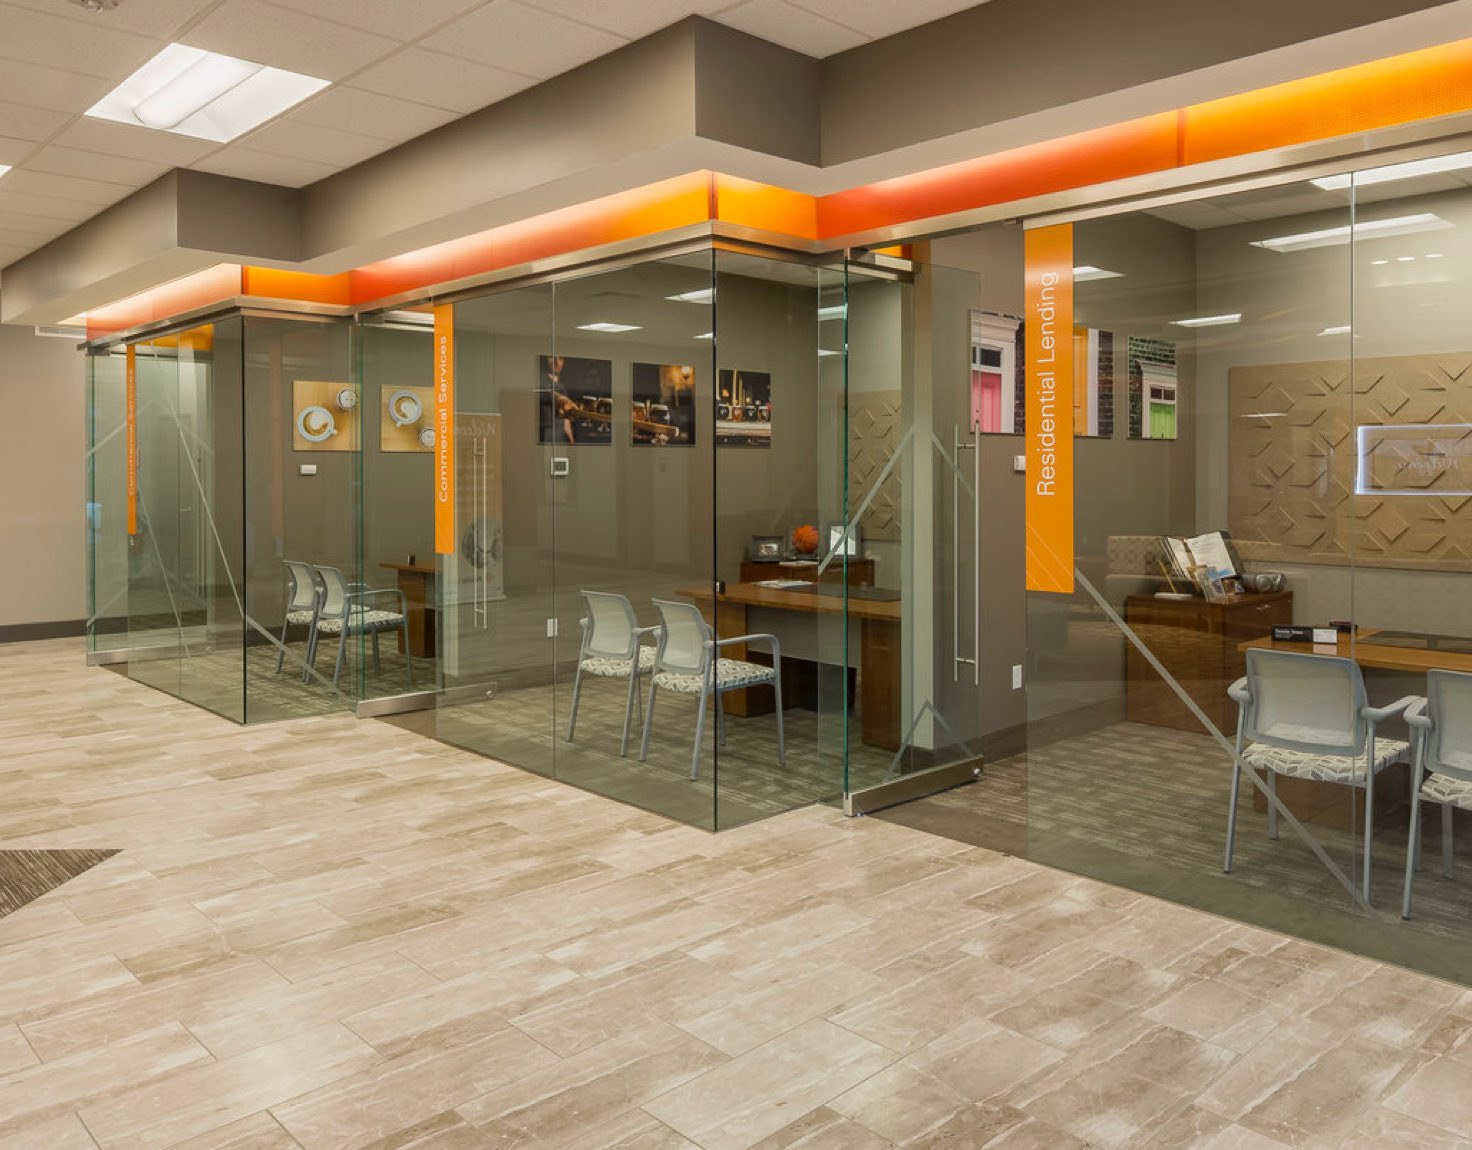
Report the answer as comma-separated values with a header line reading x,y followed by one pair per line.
x,y
1271,402
106,513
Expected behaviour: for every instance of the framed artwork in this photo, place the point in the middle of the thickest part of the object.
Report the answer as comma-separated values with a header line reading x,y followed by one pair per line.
x,y
1093,393
406,418
574,400
662,398
743,408
324,415
996,372
1152,388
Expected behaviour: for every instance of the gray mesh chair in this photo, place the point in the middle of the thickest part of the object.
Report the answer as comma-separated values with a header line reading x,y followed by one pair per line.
x,y
1442,724
1306,717
345,609
688,661
301,606
612,649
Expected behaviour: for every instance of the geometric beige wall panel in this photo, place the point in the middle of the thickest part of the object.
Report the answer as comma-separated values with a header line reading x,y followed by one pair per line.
x,y
1295,461
873,435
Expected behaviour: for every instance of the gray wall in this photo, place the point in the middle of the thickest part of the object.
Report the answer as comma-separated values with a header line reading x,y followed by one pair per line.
x,y
42,459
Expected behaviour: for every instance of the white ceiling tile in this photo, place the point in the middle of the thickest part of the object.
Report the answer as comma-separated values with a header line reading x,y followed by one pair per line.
x,y
96,193
14,151
350,109
308,142
95,166
27,123
41,87
134,143
876,18
73,45
511,36
44,207
161,19
282,38
792,27
1195,215
443,81
631,18
393,18
247,164
29,228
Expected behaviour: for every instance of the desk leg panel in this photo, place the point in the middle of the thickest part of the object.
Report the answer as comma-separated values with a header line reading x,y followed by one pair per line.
x,y
879,683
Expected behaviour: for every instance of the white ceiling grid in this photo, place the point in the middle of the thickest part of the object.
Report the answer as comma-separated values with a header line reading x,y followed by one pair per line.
x,y
398,70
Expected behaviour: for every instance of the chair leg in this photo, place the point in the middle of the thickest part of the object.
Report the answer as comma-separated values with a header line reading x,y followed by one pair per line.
x,y
377,662
1272,804
1413,849
408,658
720,721
577,687
342,646
311,660
623,743
1369,814
1232,809
648,724
781,739
699,735
1447,862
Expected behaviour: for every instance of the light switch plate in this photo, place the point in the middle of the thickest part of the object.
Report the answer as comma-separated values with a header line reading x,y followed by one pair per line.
x,y
1019,464
561,466
308,469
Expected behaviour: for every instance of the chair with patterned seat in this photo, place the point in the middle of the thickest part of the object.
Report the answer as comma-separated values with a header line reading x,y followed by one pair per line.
x,y
688,661
301,606
1442,773
345,609
613,648
1306,717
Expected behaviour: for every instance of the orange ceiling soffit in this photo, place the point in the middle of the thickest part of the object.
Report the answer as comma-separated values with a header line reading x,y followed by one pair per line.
x,y
660,207
196,339
750,204
1398,90
212,285
273,283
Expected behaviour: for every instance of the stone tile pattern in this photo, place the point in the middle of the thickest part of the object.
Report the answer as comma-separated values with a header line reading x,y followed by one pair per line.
x,y
335,933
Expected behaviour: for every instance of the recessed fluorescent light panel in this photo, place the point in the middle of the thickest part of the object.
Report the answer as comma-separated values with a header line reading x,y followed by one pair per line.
x,y
4,168
1209,320
202,94
609,328
1341,329
837,311
1085,272
1365,230
1453,163
703,295
706,335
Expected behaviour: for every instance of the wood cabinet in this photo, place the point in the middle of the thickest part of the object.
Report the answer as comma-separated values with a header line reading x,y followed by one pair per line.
x,y
1198,643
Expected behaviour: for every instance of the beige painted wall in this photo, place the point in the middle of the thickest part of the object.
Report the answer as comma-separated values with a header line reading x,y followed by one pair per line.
x,y
42,392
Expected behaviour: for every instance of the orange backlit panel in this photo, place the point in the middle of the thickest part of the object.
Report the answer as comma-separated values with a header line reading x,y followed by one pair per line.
x,y
273,283
750,204
212,285
664,206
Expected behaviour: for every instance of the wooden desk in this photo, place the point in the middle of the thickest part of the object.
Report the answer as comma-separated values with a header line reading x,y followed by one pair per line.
x,y
860,572
1200,643
417,583
1382,656
879,646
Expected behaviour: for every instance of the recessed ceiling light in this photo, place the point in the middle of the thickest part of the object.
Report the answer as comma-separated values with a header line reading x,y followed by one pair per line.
x,y
706,335
1405,259
1209,320
837,311
202,94
823,351
609,328
4,168
702,295
1433,255
1406,171
1341,329
1377,263
1089,272
1365,230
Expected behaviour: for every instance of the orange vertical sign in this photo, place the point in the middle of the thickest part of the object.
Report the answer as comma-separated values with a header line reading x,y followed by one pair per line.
x,y
131,418
444,429
1049,381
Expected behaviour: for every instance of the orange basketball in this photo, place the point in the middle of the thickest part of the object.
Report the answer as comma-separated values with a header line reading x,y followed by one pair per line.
x,y
805,538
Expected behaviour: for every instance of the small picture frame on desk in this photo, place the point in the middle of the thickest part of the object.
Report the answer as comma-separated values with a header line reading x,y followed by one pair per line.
x,y
766,548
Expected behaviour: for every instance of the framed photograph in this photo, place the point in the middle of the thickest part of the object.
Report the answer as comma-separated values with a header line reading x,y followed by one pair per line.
x,y
766,548
324,415
574,400
743,408
662,398
406,419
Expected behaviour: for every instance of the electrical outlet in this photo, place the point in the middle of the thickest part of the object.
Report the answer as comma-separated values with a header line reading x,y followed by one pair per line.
x,y
308,469
1019,464
1017,676
551,628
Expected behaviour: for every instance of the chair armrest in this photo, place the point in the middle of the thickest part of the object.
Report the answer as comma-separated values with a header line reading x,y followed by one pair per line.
x,y
769,640
653,629
1380,714
1416,714
1238,691
366,593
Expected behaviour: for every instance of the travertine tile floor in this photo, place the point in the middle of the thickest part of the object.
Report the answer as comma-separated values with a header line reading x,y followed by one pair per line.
x,y
333,933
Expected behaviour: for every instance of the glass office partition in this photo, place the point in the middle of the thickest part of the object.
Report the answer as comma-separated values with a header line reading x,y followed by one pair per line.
x,y
186,631
106,512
